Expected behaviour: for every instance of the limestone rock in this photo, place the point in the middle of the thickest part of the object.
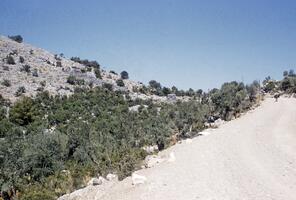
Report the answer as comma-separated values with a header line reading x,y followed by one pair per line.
x,y
138,179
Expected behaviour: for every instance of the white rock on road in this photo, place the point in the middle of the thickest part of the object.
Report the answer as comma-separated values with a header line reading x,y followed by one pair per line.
x,y
138,179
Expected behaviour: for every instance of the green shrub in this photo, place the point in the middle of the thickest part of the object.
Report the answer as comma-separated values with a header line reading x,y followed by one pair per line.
x,y
38,193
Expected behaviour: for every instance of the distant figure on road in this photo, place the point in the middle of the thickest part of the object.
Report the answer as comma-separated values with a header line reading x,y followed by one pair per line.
x,y
276,96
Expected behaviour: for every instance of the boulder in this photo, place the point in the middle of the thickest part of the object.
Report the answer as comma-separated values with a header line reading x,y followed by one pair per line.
x,y
138,179
188,141
112,177
96,181
150,149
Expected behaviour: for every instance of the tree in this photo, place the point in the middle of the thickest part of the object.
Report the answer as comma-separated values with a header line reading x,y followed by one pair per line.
x,y
190,92
291,73
124,75
174,90
16,38
166,91
285,73
154,84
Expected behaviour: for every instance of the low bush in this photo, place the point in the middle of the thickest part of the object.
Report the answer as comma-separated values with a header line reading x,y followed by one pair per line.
x,y
26,68
10,60
21,59
120,83
35,73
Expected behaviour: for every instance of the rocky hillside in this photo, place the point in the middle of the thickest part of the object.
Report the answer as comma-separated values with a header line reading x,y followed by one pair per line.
x,y
25,70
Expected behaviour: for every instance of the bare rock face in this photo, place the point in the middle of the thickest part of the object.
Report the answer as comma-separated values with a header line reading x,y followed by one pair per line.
x,y
35,69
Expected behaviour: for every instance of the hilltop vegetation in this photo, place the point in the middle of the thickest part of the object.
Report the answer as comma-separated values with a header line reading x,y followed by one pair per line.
x,y
286,86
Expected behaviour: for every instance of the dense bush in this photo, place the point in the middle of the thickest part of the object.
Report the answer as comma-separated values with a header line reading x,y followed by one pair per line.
x,y
51,144
93,64
6,83
16,38
75,81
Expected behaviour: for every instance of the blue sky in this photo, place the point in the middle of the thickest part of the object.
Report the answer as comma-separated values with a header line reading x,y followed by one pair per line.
x,y
186,43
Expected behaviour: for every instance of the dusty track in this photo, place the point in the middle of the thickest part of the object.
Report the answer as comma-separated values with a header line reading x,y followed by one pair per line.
x,y
253,157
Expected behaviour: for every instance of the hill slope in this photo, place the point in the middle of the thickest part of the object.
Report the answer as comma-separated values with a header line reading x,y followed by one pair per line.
x,y
35,69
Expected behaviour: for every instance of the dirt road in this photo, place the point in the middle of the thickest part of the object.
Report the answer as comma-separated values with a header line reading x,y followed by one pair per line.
x,y
253,157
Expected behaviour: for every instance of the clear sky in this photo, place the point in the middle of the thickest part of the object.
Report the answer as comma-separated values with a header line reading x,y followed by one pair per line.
x,y
186,43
